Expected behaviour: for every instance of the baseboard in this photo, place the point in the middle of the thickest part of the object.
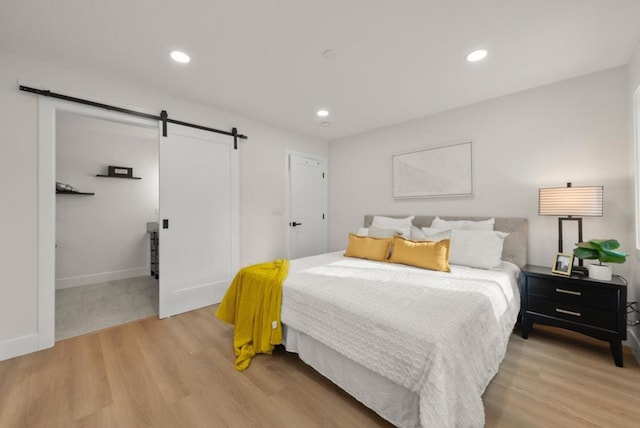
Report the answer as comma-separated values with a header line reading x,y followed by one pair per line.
x,y
633,341
18,346
101,277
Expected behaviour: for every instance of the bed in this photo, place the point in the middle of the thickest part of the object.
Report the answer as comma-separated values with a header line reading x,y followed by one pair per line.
x,y
416,346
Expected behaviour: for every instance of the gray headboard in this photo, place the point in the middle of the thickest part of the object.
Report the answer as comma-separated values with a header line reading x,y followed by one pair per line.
x,y
515,245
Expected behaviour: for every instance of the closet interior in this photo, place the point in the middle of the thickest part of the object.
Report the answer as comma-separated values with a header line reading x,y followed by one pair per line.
x,y
107,193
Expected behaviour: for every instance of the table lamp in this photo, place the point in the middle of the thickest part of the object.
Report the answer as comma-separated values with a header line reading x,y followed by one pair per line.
x,y
570,204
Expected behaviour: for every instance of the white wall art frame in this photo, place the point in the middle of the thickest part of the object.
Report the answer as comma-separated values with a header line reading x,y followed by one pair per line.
x,y
444,171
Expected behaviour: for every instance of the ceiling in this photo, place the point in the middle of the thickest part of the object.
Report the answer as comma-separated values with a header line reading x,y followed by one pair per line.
x,y
395,60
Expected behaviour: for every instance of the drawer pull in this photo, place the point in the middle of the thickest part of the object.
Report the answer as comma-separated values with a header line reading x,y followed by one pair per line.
x,y
573,293
564,311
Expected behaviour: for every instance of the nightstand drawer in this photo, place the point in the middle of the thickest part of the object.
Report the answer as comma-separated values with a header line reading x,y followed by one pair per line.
x,y
580,294
576,313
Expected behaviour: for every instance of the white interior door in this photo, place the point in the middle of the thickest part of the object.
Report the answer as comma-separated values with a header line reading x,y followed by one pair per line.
x,y
198,218
307,214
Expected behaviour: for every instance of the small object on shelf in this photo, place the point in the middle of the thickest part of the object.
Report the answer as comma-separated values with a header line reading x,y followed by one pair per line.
x,y
119,172
66,189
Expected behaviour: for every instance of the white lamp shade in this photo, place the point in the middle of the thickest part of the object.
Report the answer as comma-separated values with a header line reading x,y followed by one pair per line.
x,y
583,201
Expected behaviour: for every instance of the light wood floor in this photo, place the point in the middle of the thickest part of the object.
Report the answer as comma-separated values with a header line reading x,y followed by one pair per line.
x,y
178,372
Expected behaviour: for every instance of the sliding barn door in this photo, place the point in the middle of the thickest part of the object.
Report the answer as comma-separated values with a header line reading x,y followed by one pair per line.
x,y
198,218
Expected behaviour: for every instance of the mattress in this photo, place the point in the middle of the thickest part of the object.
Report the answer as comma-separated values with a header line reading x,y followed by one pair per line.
x,y
418,347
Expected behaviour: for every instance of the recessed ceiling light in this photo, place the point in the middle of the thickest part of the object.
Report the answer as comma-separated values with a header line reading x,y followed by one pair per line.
x,y
322,113
477,55
180,57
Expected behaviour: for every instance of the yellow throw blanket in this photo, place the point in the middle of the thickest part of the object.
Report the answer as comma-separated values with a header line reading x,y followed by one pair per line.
x,y
252,304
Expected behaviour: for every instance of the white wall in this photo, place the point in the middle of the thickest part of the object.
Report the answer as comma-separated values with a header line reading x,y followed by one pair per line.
x,y
261,176
572,131
634,69
634,130
103,237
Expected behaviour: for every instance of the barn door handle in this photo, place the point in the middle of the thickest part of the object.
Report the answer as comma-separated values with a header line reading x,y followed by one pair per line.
x,y
294,224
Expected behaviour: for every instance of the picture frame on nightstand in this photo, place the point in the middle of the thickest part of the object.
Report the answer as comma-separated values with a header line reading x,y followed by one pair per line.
x,y
562,264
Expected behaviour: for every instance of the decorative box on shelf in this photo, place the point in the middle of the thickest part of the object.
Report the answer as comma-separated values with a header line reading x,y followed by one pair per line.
x,y
119,172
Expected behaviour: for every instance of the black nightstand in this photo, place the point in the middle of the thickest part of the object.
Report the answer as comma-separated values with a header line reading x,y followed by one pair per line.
x,y
588,306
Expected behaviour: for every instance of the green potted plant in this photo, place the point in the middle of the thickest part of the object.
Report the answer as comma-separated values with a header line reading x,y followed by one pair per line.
x,y
603,250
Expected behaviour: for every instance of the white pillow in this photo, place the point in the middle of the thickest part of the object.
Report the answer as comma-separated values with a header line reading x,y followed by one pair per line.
x,y
377,232
432,234
402,225
363,231
488,224
417,234
476,248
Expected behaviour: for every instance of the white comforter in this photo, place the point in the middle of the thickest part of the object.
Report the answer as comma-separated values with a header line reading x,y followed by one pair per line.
x,y
441,335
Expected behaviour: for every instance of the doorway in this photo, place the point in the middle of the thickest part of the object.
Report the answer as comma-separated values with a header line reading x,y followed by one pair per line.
x,y
48,108
306,199
102,245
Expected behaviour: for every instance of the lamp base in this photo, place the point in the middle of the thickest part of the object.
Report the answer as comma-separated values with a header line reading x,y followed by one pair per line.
x,y
579,270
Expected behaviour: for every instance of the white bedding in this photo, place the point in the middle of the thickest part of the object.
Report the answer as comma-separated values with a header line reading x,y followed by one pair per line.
x,y
439,335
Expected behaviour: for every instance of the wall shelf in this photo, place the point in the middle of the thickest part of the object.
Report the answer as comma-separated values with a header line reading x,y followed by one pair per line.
x,y
58,192
118,176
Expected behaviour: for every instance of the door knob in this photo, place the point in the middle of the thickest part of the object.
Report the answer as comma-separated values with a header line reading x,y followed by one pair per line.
x,y
294,224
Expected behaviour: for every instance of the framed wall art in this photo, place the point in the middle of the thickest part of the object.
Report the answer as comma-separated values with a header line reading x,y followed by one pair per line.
x,y
443,171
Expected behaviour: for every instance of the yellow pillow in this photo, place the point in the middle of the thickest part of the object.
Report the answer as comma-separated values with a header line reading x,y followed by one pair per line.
x,y
366,247
423,254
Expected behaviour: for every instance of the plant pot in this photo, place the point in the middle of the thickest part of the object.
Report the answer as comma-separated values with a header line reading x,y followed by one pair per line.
x,y
601,272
